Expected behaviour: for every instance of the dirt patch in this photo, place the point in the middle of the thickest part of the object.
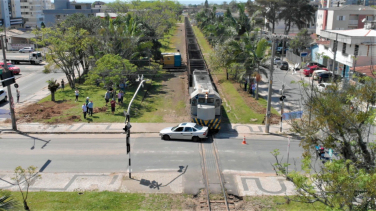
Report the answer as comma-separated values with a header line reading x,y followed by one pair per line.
x,y
97,110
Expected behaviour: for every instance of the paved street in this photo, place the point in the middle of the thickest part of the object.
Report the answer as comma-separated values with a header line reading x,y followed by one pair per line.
x,y
175,164
30,81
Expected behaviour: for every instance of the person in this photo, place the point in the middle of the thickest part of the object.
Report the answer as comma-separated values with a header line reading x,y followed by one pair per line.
x,y
321,151
119,98
87,101
107,97
84,110
90,107
18,95
76,93
62,84
113,103
122,96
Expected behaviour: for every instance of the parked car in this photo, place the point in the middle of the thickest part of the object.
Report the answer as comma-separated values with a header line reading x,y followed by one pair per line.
x,y
309,70
309,64
16,70
323,87
3,95
188,131
326,76
277,60
316,73
26,50
284,66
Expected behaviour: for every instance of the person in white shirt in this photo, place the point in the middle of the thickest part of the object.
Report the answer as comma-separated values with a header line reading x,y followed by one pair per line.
x,y
84,110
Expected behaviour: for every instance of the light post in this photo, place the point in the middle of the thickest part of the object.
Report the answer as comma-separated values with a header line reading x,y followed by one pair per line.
x,y
128,125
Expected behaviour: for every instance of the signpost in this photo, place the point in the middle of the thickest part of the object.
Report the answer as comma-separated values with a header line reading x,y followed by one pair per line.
x,y
304,54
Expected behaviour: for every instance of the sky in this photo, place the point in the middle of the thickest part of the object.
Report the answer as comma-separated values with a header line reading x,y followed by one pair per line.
x,y
181,1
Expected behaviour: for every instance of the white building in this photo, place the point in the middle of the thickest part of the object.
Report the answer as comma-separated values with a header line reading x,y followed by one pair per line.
x,y
10,13
341,18
32,11
355,47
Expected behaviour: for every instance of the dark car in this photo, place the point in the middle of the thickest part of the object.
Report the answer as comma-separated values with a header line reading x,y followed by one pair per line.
x,y
327,76
284,66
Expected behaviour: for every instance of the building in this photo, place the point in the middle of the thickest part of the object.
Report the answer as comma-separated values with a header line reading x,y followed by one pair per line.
x,y
32,12
366,3
351,48
341,18
10,14
64,8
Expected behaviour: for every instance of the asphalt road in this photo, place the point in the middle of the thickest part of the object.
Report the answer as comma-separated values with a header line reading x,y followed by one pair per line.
x,y
30,80
107,153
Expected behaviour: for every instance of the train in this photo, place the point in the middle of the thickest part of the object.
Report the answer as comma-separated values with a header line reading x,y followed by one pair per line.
x,y
205,101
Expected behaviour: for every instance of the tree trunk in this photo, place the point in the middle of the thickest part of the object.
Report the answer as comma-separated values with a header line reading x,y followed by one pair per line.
x,y
52,96
25,206
257,83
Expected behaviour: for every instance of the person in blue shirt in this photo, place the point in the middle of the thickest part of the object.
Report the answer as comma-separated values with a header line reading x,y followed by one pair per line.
x,y
90,107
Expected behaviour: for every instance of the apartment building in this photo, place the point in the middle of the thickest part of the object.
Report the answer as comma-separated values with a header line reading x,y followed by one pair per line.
x,y
64,8
32,12
10,13
350,48
341,18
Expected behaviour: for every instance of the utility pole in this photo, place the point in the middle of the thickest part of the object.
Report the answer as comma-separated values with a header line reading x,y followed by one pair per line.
x,y
335,44
128,125
11,103
270,89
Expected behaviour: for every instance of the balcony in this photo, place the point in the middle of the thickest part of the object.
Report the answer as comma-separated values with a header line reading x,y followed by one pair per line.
x,y
353,22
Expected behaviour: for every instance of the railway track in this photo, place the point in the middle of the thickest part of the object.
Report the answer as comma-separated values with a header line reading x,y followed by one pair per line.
x,y
215,195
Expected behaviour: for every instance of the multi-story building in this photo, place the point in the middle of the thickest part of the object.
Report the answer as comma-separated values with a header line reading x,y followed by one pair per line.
x,y
64,8
341,18
349,48
10,13
32,12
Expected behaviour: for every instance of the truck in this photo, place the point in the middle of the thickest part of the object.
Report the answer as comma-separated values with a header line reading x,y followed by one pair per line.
x,y
32,57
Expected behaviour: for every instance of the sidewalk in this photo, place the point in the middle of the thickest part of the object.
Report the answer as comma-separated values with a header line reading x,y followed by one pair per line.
x,y
227,130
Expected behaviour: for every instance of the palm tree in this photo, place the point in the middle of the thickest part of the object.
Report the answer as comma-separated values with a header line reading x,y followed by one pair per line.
x,y
7,202
298,12
53,86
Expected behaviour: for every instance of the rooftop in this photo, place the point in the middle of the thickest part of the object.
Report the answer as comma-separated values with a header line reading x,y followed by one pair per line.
x,y
350,8
367,70
354,32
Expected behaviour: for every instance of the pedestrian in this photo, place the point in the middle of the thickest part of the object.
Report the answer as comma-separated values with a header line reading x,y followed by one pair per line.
x,y
76,93
84,110
114,94
107,97
62,84
113,103
87,101
122,96
97,82
90,107
18,95
119,98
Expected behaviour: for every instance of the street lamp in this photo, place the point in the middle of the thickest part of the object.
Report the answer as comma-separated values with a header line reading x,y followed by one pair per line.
x,y
128,125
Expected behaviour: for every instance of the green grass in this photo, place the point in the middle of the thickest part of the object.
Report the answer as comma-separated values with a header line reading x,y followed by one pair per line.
x,y
169,40
146,111
240,112
106,200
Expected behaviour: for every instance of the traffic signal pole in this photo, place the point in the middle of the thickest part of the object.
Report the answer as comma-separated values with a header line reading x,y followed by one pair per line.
x,y
128,126
270,90
11,103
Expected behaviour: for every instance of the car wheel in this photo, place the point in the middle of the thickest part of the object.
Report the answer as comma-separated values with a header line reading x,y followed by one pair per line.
x,y
195,139
166,137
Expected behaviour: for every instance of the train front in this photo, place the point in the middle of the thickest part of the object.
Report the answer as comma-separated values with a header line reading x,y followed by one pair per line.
x,y
205,102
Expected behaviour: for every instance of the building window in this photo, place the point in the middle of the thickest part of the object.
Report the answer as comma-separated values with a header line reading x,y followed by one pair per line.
x,y
356,50
57,16
24,13
77,7
341,18
344,48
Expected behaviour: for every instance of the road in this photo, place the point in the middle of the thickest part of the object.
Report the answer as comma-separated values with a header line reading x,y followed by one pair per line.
x,y
103,154
30,81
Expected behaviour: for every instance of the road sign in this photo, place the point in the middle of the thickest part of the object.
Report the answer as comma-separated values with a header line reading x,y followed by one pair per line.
x,y
303,54
282,97
292,115
16,86
7,78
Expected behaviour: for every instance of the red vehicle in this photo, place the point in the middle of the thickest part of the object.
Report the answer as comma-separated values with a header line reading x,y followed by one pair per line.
x,y
16,70
309,70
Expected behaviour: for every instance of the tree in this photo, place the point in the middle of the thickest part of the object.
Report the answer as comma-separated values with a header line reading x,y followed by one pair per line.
x,y
110,70
25,177
7,202
340,121
301,41
53,85
298,12
270,9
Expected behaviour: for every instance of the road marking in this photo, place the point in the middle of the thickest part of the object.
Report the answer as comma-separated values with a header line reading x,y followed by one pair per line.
x,y
153,170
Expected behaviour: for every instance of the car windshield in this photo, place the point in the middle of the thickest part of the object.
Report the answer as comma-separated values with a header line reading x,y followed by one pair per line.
x,y
198,127
11,65
173,128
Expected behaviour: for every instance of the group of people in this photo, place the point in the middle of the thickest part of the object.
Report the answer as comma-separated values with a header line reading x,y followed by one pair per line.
x,y
87,108
111,95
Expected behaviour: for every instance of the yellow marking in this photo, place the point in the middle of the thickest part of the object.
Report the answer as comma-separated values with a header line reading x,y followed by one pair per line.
x,y
206,122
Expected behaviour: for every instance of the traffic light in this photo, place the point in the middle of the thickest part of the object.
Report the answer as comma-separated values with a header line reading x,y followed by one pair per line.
x,y
282,97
